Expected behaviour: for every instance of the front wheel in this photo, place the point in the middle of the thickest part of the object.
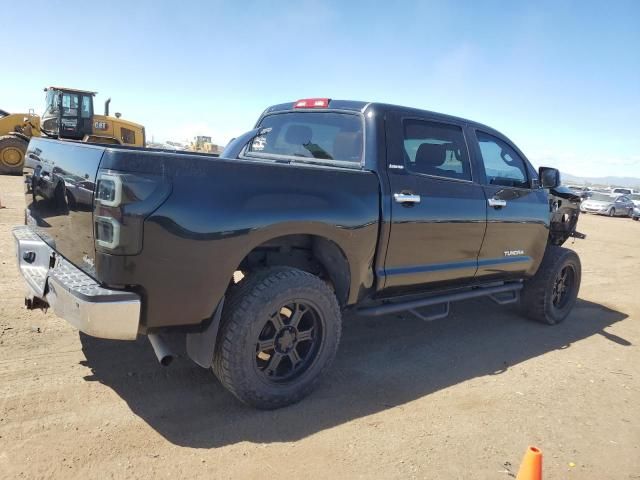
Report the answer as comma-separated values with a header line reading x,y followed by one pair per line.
x,y
612,212
551,293
280,332
12,150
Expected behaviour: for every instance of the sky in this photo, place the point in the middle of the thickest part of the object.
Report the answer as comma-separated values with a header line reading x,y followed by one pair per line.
x,y
560,78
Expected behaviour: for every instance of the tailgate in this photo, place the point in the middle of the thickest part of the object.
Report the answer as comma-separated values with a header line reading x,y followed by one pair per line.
x,y
60,181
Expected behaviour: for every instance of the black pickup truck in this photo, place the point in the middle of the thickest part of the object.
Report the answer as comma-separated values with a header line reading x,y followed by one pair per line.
x,y
325,206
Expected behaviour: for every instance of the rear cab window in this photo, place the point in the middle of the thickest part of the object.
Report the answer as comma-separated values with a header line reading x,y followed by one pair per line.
x,y
312,137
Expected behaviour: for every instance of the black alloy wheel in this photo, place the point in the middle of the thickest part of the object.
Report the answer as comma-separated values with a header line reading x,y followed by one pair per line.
x,y
279,333
289,342
562,287
551,293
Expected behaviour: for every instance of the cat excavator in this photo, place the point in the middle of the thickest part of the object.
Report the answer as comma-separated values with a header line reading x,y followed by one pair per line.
x,y
68,115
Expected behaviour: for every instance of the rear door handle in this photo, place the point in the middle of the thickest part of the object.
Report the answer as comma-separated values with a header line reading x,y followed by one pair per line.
x,y
406,198
497,203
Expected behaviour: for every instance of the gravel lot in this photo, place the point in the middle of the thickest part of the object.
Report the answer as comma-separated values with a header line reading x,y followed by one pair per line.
x,y
456,398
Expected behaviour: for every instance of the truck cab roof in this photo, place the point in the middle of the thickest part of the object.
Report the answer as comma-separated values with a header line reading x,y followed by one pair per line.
x,y
376,108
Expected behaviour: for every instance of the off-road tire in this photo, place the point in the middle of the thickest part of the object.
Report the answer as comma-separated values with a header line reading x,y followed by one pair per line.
x,y
247,307
9,142
536,299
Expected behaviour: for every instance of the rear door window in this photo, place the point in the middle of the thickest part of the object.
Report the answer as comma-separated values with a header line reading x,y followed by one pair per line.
x,y
323,137
435,149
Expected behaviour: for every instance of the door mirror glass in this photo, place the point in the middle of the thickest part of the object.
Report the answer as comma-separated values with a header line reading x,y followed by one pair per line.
x,y
549,177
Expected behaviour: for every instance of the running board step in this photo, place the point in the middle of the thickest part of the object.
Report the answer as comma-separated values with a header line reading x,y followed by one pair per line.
x,y
434,316
412,305
506,298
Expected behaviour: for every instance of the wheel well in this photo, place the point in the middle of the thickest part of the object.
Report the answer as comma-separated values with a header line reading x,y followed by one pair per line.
x,y
311,253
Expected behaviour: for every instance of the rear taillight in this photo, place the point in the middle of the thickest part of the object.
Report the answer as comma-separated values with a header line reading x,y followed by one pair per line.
x,y
122,202
109,191
312,103
107,230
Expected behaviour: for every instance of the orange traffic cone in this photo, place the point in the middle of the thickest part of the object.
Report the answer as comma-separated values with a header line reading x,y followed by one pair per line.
x,y
531,466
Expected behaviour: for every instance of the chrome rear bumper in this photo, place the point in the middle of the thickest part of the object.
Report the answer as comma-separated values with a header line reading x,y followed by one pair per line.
x,y
72,294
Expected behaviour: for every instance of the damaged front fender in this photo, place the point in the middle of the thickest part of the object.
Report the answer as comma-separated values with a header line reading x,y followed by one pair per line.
x,y
564,206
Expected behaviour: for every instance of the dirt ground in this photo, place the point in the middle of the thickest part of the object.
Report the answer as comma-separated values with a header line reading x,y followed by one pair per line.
x,y
459,398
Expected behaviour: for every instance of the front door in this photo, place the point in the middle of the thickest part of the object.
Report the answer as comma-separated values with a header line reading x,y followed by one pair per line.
x,y
438,214
517,211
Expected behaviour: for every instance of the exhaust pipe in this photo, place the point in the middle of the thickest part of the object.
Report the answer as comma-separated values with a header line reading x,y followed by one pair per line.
x,y
161,349
106,107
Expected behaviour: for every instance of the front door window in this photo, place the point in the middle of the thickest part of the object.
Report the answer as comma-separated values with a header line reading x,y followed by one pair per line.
x,y
503,166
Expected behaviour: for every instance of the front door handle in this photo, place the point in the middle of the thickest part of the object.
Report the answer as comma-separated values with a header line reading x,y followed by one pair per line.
x,y
497,203
406,198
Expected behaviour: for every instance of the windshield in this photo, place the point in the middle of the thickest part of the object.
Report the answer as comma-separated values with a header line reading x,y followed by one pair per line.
x,y
601,197
51,104
323,136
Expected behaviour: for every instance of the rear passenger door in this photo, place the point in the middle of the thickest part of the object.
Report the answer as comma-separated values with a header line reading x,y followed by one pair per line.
x,y
438,213
517,210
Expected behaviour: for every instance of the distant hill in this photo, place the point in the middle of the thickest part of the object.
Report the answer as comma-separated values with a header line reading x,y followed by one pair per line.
x,y
630,182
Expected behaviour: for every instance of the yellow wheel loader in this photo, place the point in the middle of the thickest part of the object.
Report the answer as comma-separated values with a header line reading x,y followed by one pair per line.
x,y
68,115
202,144
15,131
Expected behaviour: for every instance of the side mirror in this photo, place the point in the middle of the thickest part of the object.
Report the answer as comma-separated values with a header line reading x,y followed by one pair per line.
x,y
549,177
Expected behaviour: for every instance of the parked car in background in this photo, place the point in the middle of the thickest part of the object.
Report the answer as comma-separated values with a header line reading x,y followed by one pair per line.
x,y
621,191
583,191
603,204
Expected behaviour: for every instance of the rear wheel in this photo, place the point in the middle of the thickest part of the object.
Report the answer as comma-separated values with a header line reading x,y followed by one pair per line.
x,y
280,332
12,151
550,295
